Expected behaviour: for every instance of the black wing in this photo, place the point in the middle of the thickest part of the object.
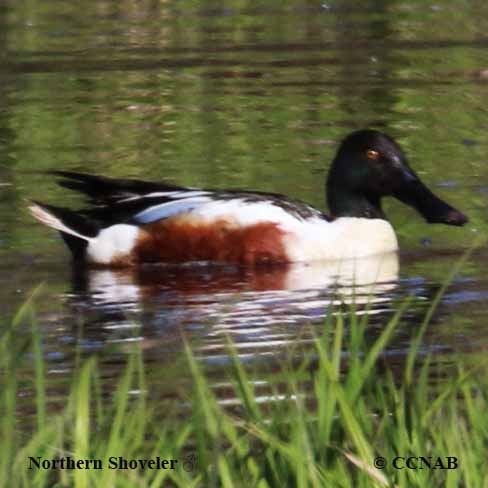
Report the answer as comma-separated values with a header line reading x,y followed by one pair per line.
x,y
102,190
118,200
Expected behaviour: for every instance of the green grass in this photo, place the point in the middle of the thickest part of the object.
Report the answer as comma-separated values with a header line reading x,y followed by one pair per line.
x,y
331,416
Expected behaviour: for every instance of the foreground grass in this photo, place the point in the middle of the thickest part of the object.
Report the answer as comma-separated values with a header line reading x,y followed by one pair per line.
x,y
326,435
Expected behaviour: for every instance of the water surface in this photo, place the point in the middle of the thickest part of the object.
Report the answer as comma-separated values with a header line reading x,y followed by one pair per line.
x,y
234,95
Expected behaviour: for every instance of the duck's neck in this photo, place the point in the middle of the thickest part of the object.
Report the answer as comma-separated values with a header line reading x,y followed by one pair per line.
x,y
346,203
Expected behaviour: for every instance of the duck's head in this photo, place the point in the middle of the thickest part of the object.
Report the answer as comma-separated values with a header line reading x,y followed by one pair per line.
x,y
370,165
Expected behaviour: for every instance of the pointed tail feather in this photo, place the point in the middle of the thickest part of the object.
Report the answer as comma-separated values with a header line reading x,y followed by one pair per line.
x,y
47,218
76,230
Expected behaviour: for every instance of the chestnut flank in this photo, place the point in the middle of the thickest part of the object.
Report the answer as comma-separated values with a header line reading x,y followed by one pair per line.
x,y
183,239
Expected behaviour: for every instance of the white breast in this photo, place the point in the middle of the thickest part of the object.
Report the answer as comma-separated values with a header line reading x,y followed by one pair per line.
x,y
344,238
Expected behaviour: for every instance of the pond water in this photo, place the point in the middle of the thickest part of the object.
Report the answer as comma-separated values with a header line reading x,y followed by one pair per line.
x,y
233,95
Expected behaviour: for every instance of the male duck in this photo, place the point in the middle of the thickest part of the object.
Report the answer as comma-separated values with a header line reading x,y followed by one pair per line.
x,y
133,221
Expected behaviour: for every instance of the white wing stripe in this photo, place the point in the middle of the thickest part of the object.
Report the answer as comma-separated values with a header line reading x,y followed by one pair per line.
x,y
169,194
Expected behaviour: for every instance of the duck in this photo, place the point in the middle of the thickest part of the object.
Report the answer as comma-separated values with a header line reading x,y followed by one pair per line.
x,y
130,222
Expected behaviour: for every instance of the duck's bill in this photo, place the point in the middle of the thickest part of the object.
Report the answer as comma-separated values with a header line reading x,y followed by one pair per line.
x,y
432,208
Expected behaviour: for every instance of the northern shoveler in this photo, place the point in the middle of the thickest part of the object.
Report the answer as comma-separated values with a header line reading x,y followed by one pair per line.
x,y
133,221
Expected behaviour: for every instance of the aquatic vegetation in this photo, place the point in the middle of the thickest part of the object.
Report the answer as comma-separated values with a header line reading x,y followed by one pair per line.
x,y
360,414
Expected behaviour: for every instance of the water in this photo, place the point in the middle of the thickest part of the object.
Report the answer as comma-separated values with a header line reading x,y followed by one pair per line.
x,y
234,95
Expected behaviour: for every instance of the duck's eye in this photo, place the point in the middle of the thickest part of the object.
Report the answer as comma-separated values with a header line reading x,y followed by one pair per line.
x,y
372,155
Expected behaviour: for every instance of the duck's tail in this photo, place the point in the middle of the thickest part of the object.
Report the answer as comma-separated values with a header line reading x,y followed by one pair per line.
x,y
76,230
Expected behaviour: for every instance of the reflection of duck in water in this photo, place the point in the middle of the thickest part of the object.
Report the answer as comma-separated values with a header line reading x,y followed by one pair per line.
x,y
263,308
364,278
134,221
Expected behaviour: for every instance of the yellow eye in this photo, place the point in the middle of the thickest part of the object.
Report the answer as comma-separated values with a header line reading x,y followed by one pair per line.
x,y
372,155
